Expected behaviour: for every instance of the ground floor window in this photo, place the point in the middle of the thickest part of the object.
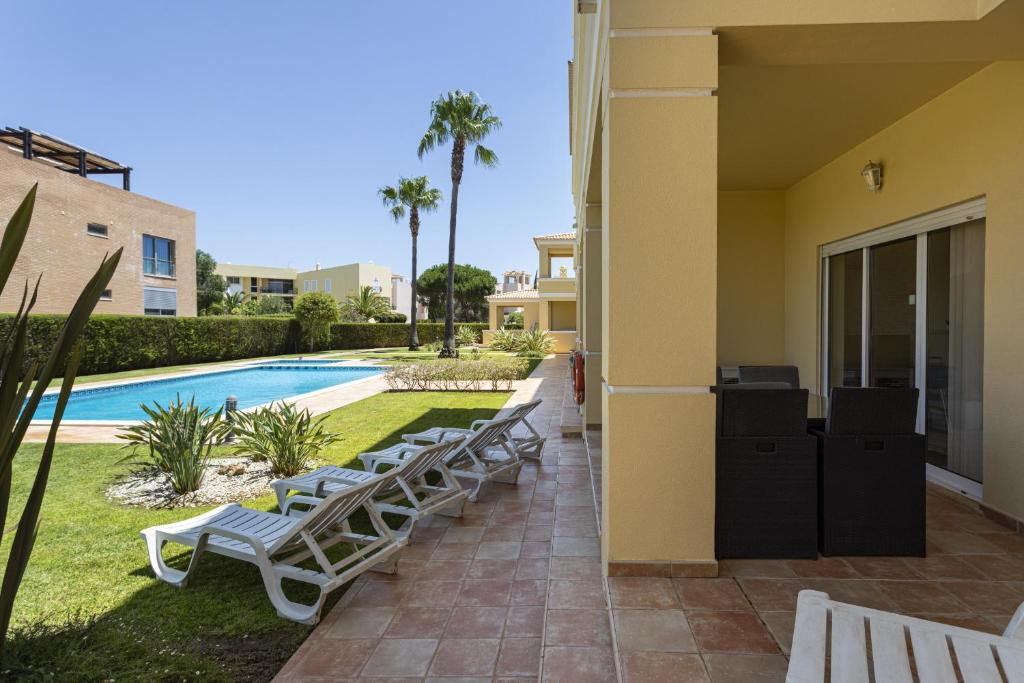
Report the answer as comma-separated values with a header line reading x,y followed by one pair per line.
x,y
159,301
904,307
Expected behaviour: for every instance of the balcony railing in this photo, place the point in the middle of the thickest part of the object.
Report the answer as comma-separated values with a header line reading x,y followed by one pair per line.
x,y
277,290
157,266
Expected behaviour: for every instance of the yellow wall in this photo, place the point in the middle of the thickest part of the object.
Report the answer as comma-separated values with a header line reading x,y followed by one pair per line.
x,y
965,143
750,278
563,316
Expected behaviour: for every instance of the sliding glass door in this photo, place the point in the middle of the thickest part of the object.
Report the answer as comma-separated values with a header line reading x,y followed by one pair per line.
x,y
905,308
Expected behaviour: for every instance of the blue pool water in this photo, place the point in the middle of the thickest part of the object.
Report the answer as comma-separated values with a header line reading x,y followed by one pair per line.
x,y
252,386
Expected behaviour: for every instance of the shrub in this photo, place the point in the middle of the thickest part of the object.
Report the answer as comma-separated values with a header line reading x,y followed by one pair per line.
x,y
392,317
534,344
265,305
380,335
289,438
466,335
514,320
505,340
457,375
316,311
179,439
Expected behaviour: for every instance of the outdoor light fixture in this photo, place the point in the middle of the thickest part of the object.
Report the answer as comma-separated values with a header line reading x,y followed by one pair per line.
x,y
872,175
586,6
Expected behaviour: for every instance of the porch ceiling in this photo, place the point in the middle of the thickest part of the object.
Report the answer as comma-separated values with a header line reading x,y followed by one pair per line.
x,y
792,98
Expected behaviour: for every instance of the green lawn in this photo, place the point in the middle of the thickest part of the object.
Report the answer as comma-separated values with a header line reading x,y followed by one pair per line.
x,y
89,607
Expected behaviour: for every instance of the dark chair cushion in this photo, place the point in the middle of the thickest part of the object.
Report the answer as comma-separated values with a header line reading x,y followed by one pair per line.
x,y
789,374
861,410
764,412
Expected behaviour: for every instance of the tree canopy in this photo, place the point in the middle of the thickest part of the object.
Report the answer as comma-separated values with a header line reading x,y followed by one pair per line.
x,y
472,285
210,287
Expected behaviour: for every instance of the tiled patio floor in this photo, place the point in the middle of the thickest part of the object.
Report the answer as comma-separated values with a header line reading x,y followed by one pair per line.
x,y
513,591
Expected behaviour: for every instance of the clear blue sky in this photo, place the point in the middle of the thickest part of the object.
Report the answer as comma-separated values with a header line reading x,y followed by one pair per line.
x,y
276,122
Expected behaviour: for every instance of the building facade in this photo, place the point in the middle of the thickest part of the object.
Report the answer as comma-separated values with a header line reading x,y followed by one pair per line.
x,y
76,221
831,185
551,304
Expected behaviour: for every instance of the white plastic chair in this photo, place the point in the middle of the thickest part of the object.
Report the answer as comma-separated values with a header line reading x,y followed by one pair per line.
x,y
529,446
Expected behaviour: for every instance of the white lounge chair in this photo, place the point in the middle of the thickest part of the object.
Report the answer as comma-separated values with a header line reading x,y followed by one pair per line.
x,y
410,484
529,445
870,645
277,543
485,455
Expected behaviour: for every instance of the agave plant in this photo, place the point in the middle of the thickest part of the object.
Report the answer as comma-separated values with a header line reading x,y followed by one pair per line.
x,y
178,440
287,437
534,344
465,335
21,389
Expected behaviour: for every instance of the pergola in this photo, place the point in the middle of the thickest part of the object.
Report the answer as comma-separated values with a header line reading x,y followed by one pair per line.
x,y
63,154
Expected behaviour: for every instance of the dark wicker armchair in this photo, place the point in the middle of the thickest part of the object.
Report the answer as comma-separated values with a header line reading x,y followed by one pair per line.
x,y
871,469
765,474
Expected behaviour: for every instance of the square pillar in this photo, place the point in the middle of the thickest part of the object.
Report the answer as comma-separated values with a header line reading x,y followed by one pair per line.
x,y
590,314
659,280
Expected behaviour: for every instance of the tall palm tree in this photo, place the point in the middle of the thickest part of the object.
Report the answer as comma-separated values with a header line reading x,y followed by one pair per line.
x,y
462,118
365,303
416,195
233,301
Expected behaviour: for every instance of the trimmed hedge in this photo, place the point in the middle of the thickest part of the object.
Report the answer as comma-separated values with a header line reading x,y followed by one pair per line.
x,y
129,342
380,335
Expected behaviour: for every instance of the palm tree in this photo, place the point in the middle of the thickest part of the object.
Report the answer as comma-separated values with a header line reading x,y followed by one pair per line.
x,y
365,303
462,118
233,301
416,195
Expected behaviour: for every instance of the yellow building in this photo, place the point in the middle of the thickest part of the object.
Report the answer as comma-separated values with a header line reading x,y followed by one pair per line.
x,y
257,281
551,304
828,184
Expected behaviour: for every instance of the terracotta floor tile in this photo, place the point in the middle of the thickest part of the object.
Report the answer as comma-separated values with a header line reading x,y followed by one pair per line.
x,y
528,592
524,622
418,622
863,592
510,533
575,568
662,667
462,534
432,594
1003,567
746,668
444,570
535,549
658,630
731,632
882,568
519,657
910,597
538,533
401,657
714,594
380,594
987,597
1007,543
484,592
532,568
569,546
476,622
578,665
587,594
823,567
637,591
454,551
780,625
577,530
336,658
498,550
474,657
492,569
942,567
577,627
767,569
962,543
359,622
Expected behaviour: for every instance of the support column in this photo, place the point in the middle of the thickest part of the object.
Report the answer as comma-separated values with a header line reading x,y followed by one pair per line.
x,y
590,312
659,262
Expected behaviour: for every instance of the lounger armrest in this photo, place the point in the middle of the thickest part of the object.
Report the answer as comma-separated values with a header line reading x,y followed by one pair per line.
x,y
386,460
328,479
311,501
477,424
368,459
214,530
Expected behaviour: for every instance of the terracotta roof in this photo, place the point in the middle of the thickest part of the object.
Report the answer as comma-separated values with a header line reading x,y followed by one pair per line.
x,y
557,236
520,294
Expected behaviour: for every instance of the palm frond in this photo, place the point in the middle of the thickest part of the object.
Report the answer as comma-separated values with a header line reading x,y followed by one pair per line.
x,y
485,156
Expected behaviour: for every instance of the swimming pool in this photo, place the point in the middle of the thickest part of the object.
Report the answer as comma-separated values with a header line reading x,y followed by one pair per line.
x,y
252,385
301,361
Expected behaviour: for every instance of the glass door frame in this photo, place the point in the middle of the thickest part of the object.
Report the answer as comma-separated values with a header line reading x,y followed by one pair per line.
x,y
917,227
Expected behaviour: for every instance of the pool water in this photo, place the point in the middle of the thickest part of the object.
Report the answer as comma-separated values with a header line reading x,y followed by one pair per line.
x,y
252,386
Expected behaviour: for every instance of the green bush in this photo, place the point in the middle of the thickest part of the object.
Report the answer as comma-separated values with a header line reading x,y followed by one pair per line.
x,y
466,335
504,339
316,312
129,342
286,436
392,317
381,335
534,344
457,375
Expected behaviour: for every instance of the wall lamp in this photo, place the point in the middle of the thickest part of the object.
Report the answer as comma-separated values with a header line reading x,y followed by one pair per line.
x,y
872,175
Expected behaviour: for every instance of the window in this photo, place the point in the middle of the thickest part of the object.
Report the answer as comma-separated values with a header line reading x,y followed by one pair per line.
x,y
106,295
254,285
159,301
233,280
157,256
327,285
96,229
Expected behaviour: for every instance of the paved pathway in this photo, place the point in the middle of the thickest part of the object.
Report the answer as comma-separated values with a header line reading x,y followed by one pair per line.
x,y
512,591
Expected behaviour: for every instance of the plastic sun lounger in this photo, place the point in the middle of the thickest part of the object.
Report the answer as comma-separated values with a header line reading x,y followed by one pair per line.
x,y
277,543
870,645
528,446
485,455
410,484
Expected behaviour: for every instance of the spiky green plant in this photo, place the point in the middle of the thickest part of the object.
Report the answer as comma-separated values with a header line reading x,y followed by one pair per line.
x,y
22,388
178,440
416,195
505,340
286,436
365,304
465,336
534,344
465,120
